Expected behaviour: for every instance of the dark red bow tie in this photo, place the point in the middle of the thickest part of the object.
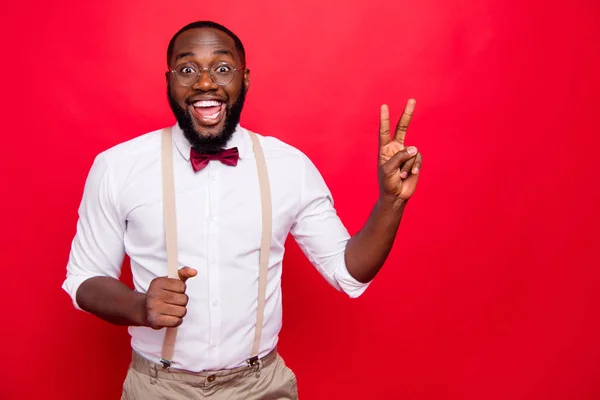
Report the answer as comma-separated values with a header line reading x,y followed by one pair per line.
x,y
227,157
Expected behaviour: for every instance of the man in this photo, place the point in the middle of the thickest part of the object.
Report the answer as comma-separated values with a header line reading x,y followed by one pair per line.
x,y
226,216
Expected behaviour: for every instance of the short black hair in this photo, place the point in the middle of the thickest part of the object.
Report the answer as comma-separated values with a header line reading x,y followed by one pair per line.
x,y
208,24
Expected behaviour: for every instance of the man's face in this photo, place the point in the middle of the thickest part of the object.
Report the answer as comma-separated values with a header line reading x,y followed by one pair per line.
x,y
207,112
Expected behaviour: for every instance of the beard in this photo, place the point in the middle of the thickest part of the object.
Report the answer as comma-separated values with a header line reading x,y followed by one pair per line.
x,y
214,143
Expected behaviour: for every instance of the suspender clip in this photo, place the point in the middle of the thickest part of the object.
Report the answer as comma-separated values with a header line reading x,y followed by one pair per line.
x,y
166,363
253,361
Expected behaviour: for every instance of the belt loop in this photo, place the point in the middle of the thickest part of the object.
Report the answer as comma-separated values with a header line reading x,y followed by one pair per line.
x,y
153,375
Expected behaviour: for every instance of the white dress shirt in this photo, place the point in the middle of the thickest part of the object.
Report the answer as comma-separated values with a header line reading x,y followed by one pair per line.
x,y
219,234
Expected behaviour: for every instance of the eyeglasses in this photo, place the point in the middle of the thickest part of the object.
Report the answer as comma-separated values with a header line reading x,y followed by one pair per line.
x,y
221,73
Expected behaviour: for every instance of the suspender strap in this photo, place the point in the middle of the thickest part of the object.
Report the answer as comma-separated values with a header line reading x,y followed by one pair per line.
x,y
168,185
265,243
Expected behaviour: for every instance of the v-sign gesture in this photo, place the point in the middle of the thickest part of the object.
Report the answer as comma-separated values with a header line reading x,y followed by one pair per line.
x,y
399,166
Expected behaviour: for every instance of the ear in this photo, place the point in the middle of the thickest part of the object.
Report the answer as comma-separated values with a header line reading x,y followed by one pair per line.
x,y
246,79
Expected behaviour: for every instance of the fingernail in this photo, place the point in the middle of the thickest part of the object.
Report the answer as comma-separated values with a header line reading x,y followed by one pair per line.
x,y
415,170
404,175
412,150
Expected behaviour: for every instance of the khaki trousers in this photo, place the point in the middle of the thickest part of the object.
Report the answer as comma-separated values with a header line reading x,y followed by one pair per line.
x,y
149,381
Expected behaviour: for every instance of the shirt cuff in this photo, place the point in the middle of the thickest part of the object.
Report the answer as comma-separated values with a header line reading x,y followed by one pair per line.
x,y
71,285
348,283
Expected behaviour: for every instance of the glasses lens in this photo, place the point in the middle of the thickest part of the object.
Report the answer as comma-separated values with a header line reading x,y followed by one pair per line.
x,y
222,73
187,75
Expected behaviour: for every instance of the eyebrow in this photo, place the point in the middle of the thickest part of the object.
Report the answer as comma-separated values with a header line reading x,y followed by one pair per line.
x,y
222,53
182,55
215,53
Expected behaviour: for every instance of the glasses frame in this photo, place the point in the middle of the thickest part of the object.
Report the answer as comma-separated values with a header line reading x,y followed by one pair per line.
x,y
212,78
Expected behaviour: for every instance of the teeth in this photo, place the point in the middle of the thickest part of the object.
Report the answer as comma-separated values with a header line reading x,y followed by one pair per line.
x,y
207,103
214,116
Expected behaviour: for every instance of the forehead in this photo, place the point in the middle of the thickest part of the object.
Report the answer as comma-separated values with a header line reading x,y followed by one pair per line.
x,y
204,42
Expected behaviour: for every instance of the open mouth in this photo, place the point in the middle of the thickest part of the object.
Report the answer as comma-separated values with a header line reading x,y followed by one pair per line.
x,y
209,112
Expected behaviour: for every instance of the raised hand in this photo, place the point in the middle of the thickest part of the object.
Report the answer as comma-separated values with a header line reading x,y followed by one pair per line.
x,y
399,166
166,300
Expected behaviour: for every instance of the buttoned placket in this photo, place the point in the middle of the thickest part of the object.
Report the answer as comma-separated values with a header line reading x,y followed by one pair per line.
x,y
214,285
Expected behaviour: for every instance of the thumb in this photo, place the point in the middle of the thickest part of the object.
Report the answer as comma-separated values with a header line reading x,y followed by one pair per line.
x,y
186,272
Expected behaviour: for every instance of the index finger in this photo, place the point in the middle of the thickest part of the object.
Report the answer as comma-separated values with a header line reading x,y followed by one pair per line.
x,y
402,126
384,125
174,285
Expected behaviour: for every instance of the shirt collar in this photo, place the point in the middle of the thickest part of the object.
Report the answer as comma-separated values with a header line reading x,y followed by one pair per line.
x,y
239,139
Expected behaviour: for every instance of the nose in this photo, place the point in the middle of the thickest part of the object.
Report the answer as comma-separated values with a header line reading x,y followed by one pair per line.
x,y
205,82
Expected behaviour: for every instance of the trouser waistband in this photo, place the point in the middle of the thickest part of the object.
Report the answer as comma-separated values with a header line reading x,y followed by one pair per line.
x,y
147,367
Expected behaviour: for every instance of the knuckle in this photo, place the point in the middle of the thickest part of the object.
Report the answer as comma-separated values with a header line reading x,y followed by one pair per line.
x,y
171,297
153,284
153,290
154,321
165,321
151,301
150,296
154,310
172,285
158,284
178,286
179,299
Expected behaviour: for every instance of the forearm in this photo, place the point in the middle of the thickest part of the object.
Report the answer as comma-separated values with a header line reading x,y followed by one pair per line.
x,y
112,301
367,250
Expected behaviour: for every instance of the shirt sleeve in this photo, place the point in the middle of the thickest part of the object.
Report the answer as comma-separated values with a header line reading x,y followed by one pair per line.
x,y
321,234
97,248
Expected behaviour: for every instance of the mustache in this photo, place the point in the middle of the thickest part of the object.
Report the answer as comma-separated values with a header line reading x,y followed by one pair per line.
x,y
212,95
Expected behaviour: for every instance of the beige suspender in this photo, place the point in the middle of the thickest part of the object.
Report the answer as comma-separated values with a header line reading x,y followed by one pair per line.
x,y
265,242
169,215
171,238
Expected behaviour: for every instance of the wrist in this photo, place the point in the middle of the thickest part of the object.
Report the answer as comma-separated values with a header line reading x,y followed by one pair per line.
x,y
140,314
391,203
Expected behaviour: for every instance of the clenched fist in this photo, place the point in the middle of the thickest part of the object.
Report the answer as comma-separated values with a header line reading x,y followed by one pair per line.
x,y
166,300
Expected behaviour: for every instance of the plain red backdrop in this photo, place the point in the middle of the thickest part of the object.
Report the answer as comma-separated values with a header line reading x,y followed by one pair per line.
x,y
492,289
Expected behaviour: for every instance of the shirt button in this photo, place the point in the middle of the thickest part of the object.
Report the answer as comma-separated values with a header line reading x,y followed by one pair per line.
x,y
212,378
216,303
213,260
213,178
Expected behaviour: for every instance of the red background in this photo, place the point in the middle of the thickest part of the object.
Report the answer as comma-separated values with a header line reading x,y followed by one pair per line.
x,y
492,289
